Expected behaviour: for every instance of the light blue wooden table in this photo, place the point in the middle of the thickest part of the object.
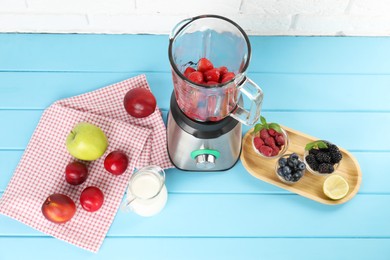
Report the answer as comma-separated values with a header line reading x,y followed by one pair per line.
x,y
335,88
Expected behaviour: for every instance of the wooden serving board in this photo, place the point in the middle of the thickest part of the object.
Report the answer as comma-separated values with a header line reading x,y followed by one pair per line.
x,y
309,185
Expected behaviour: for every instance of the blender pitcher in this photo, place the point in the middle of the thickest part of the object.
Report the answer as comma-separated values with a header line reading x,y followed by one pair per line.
x,y
224,43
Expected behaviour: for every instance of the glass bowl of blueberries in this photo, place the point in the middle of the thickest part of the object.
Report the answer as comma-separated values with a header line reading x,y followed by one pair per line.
x,y
322,157
290,168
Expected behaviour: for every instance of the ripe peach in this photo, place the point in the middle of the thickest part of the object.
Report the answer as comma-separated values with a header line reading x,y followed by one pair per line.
x,y
58,208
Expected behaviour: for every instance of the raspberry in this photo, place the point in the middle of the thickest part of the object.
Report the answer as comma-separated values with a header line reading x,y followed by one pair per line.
x,y
325,168
272,132
258,142
270,141
266,150
280,139
275,151
264,134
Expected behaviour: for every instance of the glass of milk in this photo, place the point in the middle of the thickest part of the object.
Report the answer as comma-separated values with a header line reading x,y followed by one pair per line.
x,y
146,192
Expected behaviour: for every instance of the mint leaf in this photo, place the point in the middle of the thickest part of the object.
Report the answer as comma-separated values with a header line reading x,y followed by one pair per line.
x,y
309,146
316,144
263,121
258,127
321,145
276,127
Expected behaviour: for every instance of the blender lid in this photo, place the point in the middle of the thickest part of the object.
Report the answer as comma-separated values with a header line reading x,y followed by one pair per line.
x,y
201,130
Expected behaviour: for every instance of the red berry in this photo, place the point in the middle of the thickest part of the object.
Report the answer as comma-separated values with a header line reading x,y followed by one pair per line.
x,y
280,139
272,132
204,65
266,150
227,77
275,151
264,134
270,141
223,70
188,71
210,83
258,142
196,77
212,75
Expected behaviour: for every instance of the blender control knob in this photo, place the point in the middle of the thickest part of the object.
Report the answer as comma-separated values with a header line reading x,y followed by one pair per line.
x,y
205,161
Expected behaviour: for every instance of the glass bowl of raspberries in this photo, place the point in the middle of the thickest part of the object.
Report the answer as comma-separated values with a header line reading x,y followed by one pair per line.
x,y
322,157
290,168
269,140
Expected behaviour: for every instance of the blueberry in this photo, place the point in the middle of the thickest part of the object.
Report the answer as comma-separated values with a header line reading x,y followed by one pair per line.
x,y
301,166
286,170
282,162
290,163
297,175
280,171
294,156
288,177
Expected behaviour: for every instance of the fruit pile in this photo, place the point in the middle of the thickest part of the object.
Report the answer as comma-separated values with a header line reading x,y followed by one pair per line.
x,y
206,74
291,169
270,140
322,156
87,142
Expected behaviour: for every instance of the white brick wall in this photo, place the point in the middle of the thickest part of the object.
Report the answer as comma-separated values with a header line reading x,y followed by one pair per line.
x,y
257,17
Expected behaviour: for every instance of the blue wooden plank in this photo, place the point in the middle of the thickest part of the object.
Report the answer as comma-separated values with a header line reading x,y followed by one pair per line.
x,y
247,215
236,180
282,91
120,53
347,129
200,248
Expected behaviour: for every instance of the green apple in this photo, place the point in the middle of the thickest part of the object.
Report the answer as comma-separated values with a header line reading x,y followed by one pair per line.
x,y
86,142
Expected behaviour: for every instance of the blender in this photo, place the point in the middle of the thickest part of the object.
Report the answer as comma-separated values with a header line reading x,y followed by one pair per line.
x,y
204,130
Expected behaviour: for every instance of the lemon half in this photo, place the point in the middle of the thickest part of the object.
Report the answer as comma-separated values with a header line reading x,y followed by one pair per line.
x,y
335,187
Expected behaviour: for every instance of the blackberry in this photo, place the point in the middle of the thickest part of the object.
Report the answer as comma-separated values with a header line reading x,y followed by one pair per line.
x,y
325,168
313,151
311,160
335,154
336,157
323,157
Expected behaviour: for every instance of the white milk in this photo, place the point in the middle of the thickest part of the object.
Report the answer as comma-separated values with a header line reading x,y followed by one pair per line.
x,y
143,187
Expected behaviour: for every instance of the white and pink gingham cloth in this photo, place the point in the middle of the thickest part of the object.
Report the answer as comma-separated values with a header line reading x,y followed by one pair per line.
x,y
41,171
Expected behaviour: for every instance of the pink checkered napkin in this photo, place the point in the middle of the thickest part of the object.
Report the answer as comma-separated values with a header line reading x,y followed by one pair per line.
x,y
40,172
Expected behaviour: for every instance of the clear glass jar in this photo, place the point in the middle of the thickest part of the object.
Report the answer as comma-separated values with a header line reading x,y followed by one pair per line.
x,y
224,43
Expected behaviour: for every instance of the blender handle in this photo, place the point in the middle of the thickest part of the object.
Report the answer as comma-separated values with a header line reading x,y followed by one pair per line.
x,y
178,27
252,91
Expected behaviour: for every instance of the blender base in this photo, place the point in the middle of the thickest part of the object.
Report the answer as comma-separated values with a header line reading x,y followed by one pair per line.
x,y
198,146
